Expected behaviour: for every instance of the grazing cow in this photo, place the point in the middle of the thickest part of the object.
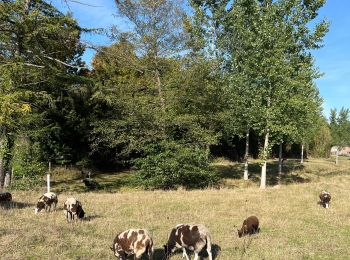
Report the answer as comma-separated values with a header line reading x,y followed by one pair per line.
x,y
133,241
325,198
193,237
250,226
45,202
5,196
72,208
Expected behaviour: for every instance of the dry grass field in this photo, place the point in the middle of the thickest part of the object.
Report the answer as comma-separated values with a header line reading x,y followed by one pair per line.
x,y
293,225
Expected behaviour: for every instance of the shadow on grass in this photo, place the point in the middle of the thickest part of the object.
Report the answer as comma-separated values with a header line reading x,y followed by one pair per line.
x,y
15,205
215,250
290,172
107,182
90,218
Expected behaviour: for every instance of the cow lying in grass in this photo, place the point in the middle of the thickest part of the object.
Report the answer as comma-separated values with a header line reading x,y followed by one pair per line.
x,y
5,196
45,202
250,226
133,242
193,237
325,198
73,209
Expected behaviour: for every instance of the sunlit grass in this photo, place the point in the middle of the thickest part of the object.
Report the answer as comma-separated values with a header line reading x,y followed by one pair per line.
x,y
293,225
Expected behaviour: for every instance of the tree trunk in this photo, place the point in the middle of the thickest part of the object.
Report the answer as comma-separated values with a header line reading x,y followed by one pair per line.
x,y
2,163
302,153
246,155
7,181
2,171
280,159
159,89
263,168
337,156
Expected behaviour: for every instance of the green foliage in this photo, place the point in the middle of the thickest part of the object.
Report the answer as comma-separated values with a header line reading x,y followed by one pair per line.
x,y
28,169
168,165
340,127
321,139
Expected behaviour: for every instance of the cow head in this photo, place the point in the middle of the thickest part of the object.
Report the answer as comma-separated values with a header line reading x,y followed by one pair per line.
x,y
39,206
119,254
241,232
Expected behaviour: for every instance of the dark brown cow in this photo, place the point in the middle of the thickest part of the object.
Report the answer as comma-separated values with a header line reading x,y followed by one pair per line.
x,y
193,237
45,202
250,226
325,198
133,242
73,208
5,196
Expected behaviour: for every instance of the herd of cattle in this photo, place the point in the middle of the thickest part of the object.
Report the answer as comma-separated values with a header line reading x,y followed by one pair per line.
x,y
138,242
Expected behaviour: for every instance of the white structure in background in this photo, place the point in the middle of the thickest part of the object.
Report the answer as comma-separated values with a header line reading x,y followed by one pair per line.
x,y
345,151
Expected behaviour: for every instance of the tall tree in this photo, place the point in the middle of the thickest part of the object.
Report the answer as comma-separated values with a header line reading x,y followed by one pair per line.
x,y
37,69
340,129
270,56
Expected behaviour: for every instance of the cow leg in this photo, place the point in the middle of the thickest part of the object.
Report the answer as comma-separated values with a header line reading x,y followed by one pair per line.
x,y
327,205
195,255
184,254
139,253
209,254
137,256
150,252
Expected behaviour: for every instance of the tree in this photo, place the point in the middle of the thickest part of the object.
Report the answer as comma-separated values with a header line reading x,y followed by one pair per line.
x,y
340,128
271,61
320,140
37,70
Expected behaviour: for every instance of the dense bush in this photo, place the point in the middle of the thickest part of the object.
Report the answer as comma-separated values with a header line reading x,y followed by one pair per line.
x,y
169,165
28,169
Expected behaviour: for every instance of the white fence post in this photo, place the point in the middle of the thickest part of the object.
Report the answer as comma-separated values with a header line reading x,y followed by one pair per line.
x,y
48,178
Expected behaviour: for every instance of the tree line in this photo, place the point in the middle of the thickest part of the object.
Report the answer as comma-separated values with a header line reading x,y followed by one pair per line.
x,y
188,81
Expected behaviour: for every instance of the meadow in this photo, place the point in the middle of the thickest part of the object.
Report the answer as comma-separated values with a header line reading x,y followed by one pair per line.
x,y
293,225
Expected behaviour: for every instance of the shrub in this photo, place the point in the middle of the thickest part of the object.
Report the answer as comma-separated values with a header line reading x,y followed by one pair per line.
x,y
169,165
28,170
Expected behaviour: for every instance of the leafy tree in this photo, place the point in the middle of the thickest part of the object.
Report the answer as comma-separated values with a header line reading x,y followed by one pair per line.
x,y
320,139
340,128
270,58
38,72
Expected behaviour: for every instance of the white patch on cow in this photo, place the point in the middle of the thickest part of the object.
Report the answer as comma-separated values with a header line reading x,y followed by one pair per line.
x,y
129,233
182,240
70,202
36,210
50,195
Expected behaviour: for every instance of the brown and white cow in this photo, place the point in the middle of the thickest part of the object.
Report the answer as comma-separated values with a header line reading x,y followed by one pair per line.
x,y
188,236
250,226
5,196
133,242
45,202
325,198
73,208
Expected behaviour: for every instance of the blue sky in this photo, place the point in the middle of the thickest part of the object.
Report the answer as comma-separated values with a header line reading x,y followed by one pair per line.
x,y
333,59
